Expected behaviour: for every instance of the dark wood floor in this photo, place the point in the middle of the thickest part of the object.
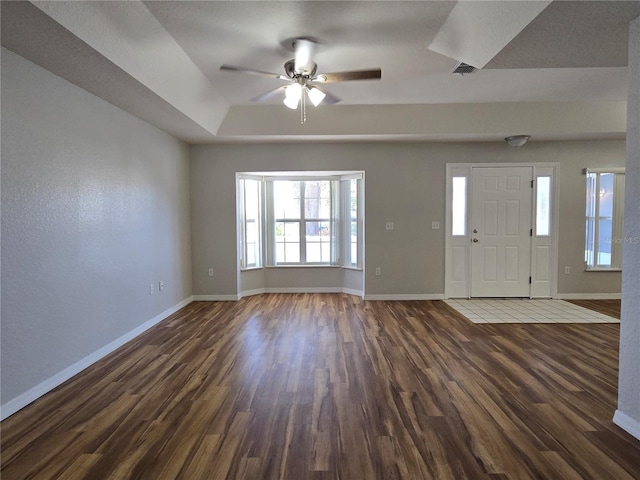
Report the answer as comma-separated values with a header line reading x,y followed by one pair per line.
x,y
608,307
327,386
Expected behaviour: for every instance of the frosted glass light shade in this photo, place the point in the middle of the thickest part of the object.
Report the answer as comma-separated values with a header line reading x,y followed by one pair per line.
x,y
316,95
292,95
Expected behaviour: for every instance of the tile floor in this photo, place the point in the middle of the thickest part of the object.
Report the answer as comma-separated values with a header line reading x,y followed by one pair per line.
x,y
515,310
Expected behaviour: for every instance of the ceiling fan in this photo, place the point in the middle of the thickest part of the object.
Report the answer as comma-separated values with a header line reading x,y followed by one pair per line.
x,y
301,73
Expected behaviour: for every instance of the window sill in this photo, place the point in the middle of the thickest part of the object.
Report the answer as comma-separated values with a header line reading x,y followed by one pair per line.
x,y
348,267
249,269
303,266
603,270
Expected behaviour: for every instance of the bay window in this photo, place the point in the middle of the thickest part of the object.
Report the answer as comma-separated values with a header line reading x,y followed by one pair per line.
x,y
300,219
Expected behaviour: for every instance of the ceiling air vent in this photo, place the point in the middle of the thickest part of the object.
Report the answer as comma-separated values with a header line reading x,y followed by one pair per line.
x,y
462,68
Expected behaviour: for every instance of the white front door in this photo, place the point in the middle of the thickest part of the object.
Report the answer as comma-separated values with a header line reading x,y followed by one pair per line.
x,y
501,231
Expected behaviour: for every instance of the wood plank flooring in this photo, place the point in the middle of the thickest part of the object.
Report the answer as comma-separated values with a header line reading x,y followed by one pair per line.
x,y
328,386
608,307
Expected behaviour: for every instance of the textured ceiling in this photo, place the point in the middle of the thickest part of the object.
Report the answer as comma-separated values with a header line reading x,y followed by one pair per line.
x,y
160,61
566,35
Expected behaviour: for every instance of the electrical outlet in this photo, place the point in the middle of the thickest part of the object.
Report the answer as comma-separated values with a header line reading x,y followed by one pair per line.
x,y
160,285
151,289
567,270
435,225
211,272
378,271
389,226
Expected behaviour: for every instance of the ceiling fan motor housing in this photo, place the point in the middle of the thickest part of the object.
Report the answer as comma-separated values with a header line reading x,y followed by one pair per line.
x,y
290,70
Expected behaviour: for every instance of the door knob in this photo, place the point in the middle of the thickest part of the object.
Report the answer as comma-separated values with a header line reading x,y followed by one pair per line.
x,y
475,240
475,230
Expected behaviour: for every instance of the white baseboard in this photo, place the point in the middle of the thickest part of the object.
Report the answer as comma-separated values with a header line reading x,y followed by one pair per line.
x,y
355,293
216,298
31,395
627,423
588,296
409,296
250,293
259,291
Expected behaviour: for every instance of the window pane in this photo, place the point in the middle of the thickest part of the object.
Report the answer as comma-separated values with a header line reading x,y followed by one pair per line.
x,y
313,253
590,235
292,231
318,234
251,191
591,195
326,252
543,198
317,196
292,253
352,247
251,216
605,219
251,254
606,195
353,240
317,231
286,199
287,242
590,230
459,206
354,197
251,231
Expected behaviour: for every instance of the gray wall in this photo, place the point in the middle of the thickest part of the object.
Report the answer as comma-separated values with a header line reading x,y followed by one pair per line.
x,y
404,184
95,207
629,376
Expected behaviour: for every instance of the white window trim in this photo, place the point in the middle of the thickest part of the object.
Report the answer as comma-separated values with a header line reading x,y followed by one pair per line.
x,y
617,221
345,221
268,222
240,220
302,222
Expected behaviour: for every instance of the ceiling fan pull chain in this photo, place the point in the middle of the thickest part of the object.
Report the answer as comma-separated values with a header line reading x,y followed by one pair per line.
x,y
303,108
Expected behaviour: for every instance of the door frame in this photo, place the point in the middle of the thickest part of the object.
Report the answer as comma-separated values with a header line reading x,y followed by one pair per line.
x,y
544,249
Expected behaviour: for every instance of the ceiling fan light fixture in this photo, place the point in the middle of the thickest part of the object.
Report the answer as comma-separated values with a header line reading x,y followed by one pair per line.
x,y
291,102
292,95
315,95
517,140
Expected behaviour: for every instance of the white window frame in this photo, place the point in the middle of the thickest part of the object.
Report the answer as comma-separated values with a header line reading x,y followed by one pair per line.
x,y
242,220
302,221
340,219
347,260
617,218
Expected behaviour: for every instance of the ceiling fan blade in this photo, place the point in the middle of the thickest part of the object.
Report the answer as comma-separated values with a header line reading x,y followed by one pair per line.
x,y
269,95
305,51
373,74
252,71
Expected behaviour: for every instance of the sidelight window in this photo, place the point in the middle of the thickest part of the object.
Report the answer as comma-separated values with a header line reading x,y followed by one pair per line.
x,y
604,214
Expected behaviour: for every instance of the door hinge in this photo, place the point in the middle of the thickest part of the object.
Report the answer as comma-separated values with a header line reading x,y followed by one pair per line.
x,y
531,232
531,183
529,280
